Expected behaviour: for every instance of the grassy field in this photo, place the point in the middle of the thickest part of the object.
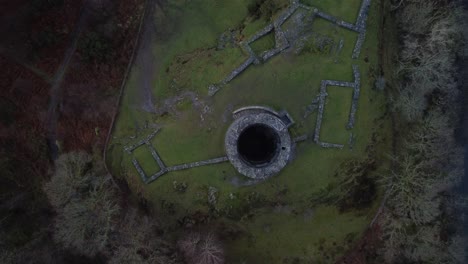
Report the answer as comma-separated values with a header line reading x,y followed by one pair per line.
x,y
278,220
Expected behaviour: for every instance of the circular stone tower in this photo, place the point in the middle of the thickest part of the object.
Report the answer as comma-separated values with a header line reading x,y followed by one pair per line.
x,y
258,143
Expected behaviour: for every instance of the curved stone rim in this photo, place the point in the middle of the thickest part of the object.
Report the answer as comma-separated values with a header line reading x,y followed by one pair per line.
x,y
284,149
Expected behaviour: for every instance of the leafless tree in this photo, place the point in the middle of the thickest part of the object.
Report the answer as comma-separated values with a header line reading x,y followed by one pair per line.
x,y
410,193
410,104
137,241
210,251
425,245
86,204
432,38
416,16
428,162
432,139
202,249
189,244
72,173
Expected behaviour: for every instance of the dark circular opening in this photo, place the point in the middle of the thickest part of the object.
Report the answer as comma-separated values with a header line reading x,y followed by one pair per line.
x,y
258,144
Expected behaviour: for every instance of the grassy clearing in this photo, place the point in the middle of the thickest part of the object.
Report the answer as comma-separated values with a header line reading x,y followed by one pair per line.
x,y
144,157
344,9
336,117
266,42
188,60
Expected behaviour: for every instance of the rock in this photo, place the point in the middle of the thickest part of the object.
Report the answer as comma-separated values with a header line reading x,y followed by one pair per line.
x,y
212,195
180,187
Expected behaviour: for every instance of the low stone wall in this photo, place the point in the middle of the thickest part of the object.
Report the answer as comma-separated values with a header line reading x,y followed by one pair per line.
x,y
156,156
249,110
270,53
163,168
347,25
301,138
131,148
356,94
330,145
140,171
361,26
280,39
285,15
326,16
281,42
340,47
239,70
186,166
260,33
322,100
322,97
156,176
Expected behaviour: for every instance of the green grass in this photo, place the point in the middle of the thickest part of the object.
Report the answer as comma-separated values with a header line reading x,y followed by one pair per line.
x,y
346,10
299,237
189,61
146,160
336,115
264,43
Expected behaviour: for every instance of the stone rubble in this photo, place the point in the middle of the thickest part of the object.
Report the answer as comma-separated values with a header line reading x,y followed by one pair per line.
x,y
282,43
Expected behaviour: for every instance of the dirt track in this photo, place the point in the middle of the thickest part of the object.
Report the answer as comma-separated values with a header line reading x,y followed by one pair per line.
x,y
56,88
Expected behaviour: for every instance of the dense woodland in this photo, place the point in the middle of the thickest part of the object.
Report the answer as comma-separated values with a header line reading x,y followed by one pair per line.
x,y
421,221
70,210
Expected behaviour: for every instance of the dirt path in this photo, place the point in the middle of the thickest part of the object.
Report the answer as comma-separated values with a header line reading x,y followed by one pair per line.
x,y
146,62
56,88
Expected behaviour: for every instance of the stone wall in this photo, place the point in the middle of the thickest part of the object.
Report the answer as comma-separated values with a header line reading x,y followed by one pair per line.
x,y
322,101
281,42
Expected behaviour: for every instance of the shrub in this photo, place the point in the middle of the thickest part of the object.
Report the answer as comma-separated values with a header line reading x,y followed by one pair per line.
x,y
265,8
356,189
380,83
6,257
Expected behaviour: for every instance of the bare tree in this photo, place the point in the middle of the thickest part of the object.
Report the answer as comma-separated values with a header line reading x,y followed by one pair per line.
x,y
202,249
432,139
394,237
404,242
137,241
189,244
428,165
431,40
409,190
210,251
410,104
416,16
72,173
86,204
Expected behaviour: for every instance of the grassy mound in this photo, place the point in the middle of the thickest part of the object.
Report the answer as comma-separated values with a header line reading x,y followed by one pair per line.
x,y
320,203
